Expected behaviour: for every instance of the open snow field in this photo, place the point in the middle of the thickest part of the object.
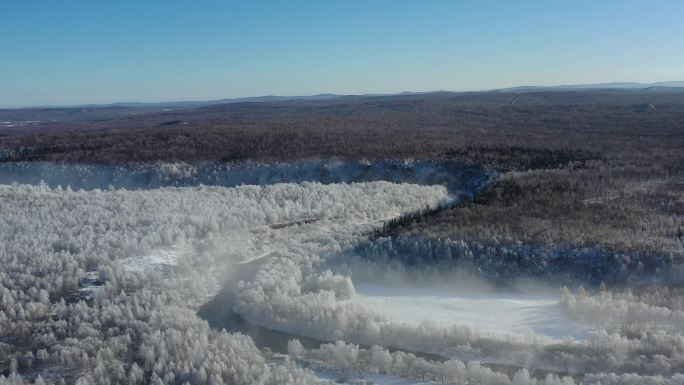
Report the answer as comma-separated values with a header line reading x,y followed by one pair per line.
x,y
497,312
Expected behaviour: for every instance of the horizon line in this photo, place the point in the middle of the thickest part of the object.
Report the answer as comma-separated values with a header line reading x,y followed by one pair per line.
x,y
626,85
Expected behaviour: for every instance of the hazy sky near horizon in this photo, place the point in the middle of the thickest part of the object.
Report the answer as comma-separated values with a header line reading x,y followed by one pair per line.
x,y
73,52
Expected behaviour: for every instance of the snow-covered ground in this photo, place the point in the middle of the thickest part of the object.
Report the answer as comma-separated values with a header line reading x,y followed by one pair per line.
x,y
367,379
497,312
159,259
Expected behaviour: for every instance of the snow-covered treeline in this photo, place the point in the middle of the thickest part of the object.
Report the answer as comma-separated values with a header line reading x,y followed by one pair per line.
x,y
661,308
348,358
139,326
632,379
500,260
459,177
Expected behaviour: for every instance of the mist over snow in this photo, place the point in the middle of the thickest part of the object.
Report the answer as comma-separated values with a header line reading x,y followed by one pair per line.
x,y
499,312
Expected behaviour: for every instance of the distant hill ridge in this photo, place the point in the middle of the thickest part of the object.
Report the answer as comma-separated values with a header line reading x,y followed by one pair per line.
x,y
597,86
329,96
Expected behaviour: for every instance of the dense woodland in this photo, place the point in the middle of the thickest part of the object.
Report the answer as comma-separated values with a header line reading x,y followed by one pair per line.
x,y
134,323
589,189
503,130
591,167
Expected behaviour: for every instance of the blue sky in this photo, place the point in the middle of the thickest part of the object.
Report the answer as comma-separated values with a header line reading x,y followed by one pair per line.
x,y
70,52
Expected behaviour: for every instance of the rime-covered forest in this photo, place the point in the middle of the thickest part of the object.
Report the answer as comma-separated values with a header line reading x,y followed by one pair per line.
x,y
458,238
